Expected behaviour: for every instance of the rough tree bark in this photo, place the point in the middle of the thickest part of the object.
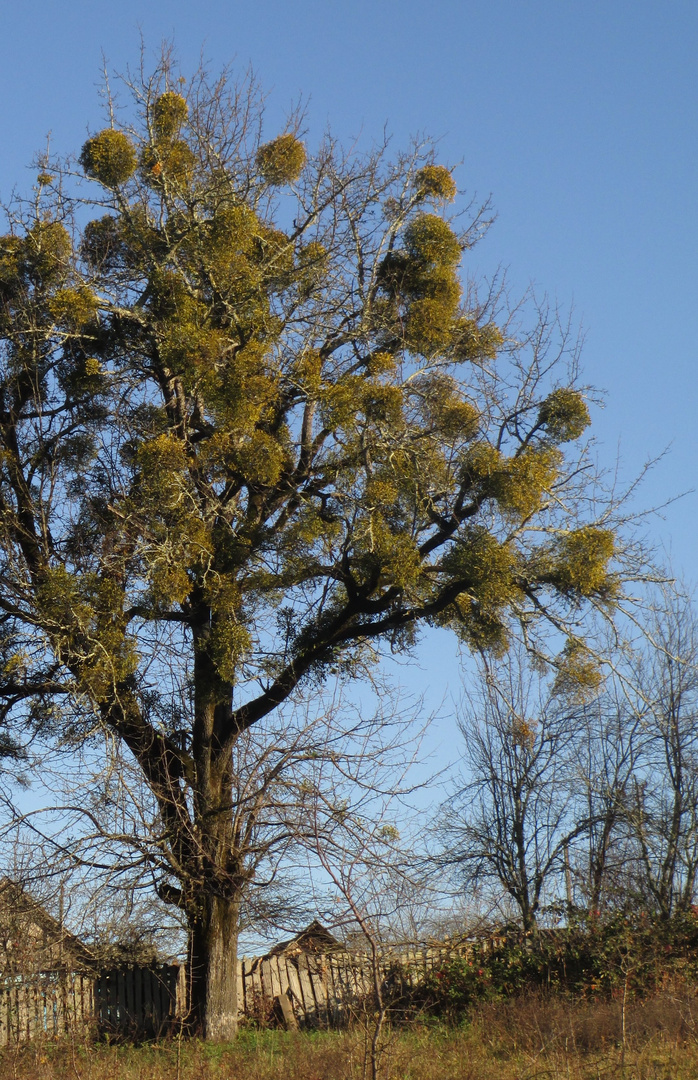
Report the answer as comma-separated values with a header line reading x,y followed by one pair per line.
x,y
213,958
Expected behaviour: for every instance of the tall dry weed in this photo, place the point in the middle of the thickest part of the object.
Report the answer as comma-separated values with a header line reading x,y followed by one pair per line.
x,y
529,1038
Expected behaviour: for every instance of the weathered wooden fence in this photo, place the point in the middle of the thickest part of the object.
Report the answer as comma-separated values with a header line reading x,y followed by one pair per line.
x,y
49,1005
137,1001
328,989
140,1001
323,989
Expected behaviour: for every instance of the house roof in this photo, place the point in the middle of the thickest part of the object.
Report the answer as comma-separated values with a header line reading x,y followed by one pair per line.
x,y
315,938
59,947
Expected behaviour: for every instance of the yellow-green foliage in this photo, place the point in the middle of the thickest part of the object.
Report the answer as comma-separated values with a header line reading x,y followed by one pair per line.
x,y
168,162
46,252
431,241
382,403
84,618
457,419
353,396
190,350
232,254
480,464
179,544
443,407
138,238
435,182
169,298
518,484
307,372
234,229
481,628
260,459
109,157
101,240
230,641
274,252
276,441
440,283
381,363
564,414
580,562
178,540
162,462
428,325
10,258
169,113
425,274
73,308
11,283
391,556
241,396
486,568
109,242
578,675
169,585
475,343
380,490
179,162
308,538
312,254
93,366
248,261
522,481
310,265
223,593
339,401
281,161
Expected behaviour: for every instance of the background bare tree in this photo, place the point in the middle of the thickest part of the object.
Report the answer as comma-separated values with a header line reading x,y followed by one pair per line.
x,y
512,815
606,755
663,800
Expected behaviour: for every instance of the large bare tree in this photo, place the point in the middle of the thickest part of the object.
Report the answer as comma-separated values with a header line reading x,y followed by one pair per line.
x,y
253,430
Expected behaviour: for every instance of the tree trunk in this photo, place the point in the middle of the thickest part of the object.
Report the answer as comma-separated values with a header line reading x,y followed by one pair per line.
x,y
213,963
212,893
528,915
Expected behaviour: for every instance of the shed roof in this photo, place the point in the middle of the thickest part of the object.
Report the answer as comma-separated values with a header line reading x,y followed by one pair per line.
x,y
315,938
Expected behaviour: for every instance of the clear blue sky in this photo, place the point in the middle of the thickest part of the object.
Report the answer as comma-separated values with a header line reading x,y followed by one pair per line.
x,y
578,116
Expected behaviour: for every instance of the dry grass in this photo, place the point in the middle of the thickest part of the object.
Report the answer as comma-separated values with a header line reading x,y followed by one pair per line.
x,y
523,1039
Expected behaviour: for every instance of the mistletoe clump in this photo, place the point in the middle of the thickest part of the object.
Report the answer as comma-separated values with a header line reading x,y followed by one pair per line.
x,y
281,161
109,157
